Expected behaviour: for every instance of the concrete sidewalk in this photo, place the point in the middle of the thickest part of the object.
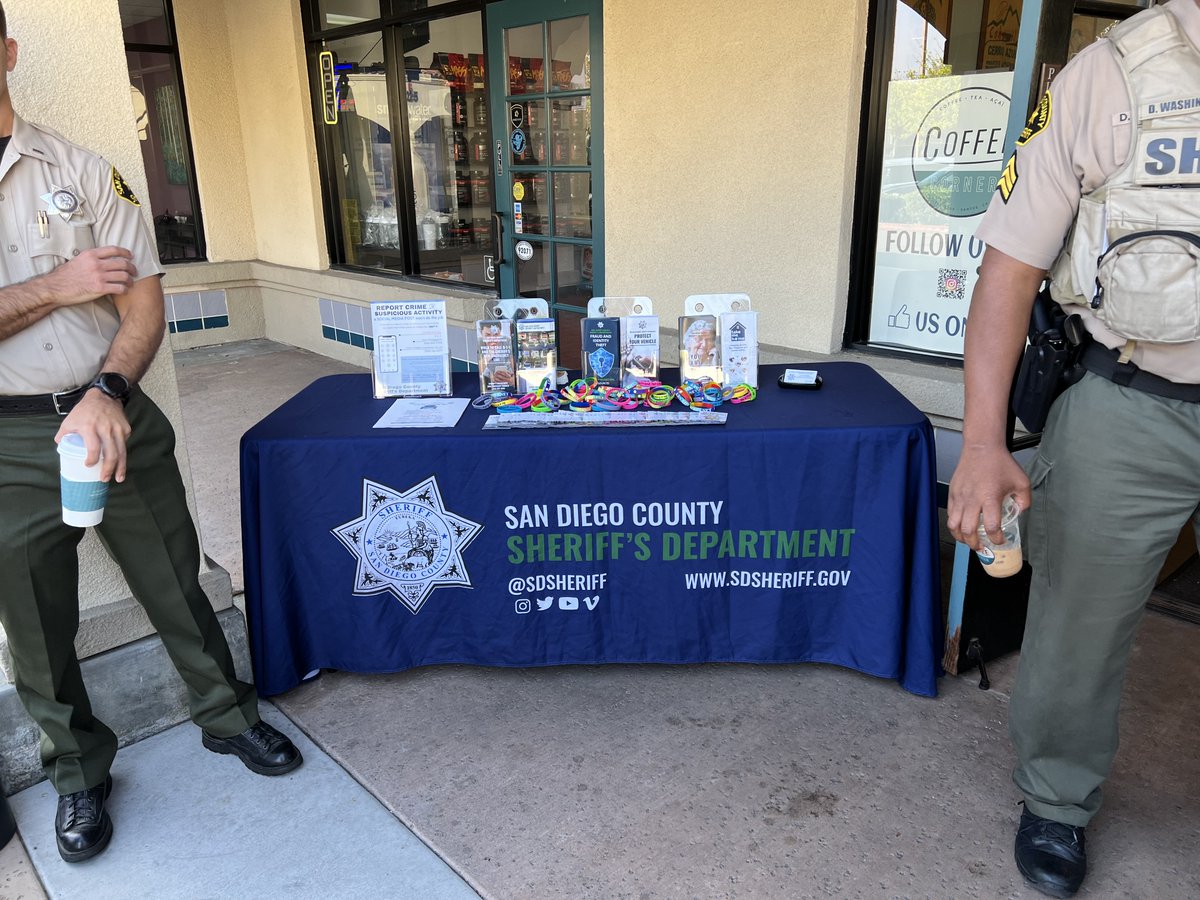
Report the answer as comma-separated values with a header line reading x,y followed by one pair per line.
x,y
190,824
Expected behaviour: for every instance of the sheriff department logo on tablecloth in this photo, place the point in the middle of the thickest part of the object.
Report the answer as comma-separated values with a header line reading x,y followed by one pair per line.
x,y
407,543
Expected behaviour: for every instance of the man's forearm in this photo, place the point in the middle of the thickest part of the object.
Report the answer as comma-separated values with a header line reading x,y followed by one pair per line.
x,y
1000,309
23,304
93,273
141,332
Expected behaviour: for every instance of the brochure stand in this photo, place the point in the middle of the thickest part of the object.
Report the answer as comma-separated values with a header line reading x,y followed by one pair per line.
x,y
715,304
518,308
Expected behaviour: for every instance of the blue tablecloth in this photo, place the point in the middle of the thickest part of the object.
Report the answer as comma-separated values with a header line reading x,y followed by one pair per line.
x,y
804,529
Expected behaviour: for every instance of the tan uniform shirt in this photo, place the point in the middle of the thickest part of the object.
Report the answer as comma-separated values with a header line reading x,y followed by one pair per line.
x,y
1086,141
66,348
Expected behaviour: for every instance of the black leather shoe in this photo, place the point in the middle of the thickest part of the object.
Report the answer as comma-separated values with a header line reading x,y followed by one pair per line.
x,y
1050,855
262,748
82,825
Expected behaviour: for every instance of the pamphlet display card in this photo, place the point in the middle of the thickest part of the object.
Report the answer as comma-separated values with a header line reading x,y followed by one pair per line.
x,y
497,363
602,350
699,351
639,348
537,353
412,348
739,348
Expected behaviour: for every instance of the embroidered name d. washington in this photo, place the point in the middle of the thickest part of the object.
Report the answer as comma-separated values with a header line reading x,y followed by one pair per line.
x,y
407,542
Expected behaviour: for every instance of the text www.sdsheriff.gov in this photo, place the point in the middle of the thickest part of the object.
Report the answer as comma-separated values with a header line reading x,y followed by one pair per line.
x,y
698,581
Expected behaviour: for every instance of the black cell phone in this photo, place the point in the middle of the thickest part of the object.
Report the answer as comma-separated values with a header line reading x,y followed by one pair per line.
x,y
800,379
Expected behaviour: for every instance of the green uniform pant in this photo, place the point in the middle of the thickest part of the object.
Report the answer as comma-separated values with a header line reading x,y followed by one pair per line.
x,y
149,533
1117,476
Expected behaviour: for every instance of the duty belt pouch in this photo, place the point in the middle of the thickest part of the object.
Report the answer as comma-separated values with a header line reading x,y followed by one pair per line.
x,y
1148,287
1048,367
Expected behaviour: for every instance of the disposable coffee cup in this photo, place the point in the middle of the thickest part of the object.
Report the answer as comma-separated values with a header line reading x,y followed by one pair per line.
x,y
1002,560
83,493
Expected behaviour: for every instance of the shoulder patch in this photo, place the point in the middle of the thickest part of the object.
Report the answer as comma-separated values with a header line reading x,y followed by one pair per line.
x,y
122,189
1008,179
1039,120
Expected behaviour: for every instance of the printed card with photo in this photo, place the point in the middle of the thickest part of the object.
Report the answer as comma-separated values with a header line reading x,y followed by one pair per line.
x,y
639,348
699,352
537,353
497,363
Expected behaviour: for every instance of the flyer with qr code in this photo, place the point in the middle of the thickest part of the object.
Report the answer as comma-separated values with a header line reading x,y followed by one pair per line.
x,y
412,348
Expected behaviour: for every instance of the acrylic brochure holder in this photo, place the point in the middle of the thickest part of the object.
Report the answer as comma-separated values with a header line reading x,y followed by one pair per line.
x,y
715,304
518,308
619,306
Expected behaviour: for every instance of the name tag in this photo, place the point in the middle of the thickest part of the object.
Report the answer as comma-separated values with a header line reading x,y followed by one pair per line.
x,y
1172,106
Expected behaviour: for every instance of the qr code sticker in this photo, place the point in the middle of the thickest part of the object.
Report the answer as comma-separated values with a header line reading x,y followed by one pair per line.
x,y
952,284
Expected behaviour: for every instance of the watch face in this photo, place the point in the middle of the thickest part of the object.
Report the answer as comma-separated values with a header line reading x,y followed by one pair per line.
x,y
114,384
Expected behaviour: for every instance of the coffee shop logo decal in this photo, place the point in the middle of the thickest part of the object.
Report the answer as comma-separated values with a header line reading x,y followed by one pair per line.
x,y
407,543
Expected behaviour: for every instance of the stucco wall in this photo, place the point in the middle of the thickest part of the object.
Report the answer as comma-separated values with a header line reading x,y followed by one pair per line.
x,y
215,123
248,103
273,104
71,75
729,153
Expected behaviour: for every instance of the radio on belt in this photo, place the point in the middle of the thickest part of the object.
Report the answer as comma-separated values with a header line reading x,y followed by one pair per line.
x,y
800,379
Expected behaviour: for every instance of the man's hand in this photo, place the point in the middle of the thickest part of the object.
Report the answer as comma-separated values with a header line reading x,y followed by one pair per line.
x,y
100,421
983,478
93,273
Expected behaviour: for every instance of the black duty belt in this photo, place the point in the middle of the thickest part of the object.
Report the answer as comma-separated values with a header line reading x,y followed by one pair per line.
x,y
42,404
1100,360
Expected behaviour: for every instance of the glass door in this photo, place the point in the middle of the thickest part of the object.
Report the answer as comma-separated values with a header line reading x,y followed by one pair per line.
x,y
544,68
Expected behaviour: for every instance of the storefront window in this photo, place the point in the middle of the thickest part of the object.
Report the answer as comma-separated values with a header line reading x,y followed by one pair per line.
x,y
158,106
362,142
943,131
449,127
439,224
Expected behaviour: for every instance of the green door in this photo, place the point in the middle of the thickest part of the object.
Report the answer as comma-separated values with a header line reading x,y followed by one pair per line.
x,y
547,132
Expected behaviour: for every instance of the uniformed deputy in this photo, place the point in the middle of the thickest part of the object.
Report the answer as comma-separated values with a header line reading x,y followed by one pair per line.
x,y
1110,162
81,317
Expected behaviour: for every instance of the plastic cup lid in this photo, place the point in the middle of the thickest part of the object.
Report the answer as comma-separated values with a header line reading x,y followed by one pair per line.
x,y
72,445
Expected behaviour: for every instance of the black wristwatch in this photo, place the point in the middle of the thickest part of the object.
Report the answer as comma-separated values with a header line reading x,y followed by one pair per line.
x,y
112,384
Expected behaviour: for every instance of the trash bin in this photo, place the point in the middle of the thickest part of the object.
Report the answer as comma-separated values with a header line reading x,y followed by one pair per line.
x,y
8,824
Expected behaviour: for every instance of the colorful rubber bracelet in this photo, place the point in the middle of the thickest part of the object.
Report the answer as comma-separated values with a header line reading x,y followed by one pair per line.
x,y
659,397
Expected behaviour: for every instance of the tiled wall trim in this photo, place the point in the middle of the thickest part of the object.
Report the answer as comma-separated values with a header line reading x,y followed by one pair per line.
x,y
196,311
